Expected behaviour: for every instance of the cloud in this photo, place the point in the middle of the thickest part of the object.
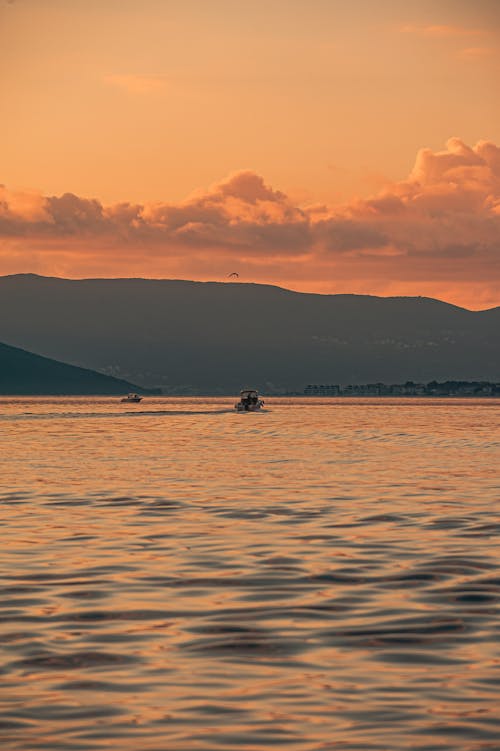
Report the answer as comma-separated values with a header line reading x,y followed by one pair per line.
x,y
437,229
442,31
476,53
28,206
136,84
456,37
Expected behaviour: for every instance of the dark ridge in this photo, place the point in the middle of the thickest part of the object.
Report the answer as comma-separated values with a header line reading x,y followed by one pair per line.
x,y
23,373
217,337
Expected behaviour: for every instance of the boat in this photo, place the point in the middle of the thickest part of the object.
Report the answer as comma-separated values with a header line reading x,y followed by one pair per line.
x,y
131,398
249,401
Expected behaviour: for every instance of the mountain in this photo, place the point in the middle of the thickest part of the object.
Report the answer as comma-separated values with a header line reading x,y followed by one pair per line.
x,y
209,337
22,372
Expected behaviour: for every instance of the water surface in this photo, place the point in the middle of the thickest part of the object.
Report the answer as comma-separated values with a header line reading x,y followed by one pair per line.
x,y
320,576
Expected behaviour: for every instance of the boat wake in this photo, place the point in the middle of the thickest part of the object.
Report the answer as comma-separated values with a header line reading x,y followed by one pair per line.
x,y
109,415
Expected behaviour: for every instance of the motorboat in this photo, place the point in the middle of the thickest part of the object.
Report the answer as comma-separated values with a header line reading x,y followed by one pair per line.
x,y
131,398
249,401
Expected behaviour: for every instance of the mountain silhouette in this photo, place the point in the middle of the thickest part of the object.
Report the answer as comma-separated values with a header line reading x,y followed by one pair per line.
x,y
209,337
24,373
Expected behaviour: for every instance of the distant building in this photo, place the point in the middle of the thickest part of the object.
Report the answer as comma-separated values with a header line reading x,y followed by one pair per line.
x,y
433,388
322,390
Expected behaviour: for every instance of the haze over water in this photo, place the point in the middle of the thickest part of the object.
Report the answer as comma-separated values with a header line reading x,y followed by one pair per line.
x,y
320,576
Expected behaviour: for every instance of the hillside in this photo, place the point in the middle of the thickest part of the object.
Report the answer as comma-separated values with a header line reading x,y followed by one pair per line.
x,y
24,373
197,337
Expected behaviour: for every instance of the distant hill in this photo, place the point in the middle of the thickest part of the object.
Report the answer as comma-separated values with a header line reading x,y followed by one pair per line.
x,y
24,373
194,337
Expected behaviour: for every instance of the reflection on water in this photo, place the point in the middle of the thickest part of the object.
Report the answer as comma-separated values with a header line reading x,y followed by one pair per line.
x,y
320,576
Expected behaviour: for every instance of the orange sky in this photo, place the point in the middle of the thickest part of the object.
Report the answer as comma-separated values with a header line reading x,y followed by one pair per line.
x,y
322,145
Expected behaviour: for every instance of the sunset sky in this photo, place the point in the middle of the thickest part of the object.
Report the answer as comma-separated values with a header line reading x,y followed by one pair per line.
x,y
326,146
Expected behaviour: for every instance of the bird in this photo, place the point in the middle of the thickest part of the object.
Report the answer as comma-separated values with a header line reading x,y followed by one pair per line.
x,y
233,275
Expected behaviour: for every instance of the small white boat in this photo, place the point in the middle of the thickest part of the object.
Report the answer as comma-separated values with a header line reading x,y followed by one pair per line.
x,y
131,398
249,401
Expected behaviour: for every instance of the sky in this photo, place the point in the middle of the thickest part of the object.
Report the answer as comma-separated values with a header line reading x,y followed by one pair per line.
x,y
324,146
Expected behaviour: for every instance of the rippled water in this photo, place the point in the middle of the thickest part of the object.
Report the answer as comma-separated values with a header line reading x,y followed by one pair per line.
x,y
323,575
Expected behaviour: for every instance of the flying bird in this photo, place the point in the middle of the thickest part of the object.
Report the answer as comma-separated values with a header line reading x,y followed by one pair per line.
x,y
233,275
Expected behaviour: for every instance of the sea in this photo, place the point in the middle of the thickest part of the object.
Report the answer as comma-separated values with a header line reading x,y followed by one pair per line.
x,y
320,576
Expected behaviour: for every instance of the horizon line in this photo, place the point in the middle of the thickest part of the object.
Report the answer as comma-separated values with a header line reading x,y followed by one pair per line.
x,y
224,281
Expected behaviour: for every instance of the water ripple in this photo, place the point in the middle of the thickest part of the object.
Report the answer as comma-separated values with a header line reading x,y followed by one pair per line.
x,y
324,576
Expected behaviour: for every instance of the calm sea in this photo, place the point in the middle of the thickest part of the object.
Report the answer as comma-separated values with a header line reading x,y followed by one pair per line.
x,y
321,576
